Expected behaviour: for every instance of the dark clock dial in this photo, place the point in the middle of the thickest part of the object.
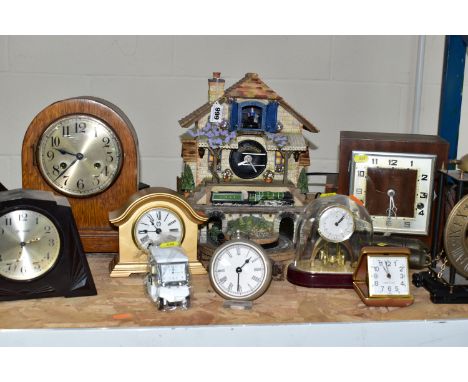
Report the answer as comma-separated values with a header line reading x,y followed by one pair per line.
x,y
249,160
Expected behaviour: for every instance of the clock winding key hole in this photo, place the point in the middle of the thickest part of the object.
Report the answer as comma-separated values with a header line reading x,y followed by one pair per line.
x,y
420,206
63,165
97,165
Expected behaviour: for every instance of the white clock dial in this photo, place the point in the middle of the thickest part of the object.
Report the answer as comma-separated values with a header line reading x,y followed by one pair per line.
x,y
336,224
157,226
175,272
240,270
79,155
29,245
403,205
388,275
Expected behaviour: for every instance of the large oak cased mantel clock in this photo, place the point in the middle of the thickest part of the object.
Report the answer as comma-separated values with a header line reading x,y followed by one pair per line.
x,y
151,217
40,249
85,149
394,175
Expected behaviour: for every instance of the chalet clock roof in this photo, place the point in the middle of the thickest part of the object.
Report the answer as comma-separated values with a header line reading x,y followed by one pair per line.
x,y
250,87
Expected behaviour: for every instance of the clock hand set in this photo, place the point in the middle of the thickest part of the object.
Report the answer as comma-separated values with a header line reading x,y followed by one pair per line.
x,y
385,267
239,270
392,209
78,156
339,221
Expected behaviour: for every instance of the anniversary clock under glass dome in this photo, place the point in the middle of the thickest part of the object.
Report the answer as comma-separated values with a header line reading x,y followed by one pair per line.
x,y
330,234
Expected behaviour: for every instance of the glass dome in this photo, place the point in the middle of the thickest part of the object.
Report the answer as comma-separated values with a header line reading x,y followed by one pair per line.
x,y
331,232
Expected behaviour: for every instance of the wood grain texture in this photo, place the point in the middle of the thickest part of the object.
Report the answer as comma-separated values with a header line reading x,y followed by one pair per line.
x,y
121,302
395,143
91,213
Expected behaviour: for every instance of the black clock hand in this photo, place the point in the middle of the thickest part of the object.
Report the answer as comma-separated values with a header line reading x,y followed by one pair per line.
x,y
339,221
238,281
68,168
63,152
385,267
246,262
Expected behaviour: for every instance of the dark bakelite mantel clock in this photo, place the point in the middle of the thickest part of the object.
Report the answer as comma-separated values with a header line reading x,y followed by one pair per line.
x,y
84,148
40,250
249,160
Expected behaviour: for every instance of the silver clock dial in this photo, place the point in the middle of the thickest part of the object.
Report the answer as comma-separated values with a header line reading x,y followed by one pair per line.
x,y
29,245
156,226
240,270
336,224
79,155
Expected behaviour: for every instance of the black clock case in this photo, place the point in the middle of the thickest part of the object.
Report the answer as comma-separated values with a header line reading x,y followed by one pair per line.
x,y
70,276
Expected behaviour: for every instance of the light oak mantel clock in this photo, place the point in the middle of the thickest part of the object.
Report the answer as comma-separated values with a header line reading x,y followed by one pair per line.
x,y
154,216
86,149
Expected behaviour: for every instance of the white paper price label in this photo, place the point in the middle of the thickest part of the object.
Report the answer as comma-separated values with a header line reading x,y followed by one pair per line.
x,y
216,112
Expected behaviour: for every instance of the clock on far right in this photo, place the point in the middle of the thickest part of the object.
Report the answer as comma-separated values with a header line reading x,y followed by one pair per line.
x,y
395,177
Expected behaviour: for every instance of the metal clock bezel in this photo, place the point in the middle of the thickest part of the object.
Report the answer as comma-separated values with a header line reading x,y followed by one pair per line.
x,y
266,261
42,170
335,205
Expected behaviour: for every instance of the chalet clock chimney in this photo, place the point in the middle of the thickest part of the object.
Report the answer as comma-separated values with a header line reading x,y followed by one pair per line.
x,y
215,87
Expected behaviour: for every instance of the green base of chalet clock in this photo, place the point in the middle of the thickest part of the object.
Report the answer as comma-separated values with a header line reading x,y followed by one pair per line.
x,y
86,149
394,176
40,250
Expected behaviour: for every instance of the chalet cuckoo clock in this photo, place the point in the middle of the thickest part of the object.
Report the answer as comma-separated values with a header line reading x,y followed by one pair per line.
x,y
245,161
85,149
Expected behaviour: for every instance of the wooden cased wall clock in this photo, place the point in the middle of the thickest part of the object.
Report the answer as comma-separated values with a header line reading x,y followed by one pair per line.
x,y
394,176
86,149
40,249
151,217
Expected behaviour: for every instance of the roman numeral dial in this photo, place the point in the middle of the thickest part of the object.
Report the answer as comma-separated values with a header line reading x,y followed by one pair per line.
x,y
456,237
156,226
240,270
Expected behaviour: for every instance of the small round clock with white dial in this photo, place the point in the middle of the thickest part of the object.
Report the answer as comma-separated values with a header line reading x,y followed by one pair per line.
x,y
79,155
29,244
336,223
240,270
156,226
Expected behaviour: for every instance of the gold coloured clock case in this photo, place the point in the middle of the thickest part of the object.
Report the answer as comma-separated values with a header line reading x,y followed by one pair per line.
x,y
456,237
141,222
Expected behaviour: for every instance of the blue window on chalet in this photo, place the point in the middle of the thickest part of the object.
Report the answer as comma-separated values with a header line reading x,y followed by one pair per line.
x,y
254,116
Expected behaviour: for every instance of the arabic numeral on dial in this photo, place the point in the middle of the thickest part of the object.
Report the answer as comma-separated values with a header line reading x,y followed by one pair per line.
x,y
80,184
7,221
51,242
1,259
80,127
65,131
376,283
421,213
55,170
106,141
392,162
65,177
407,224
96,180
47,229
50,155
23,217
424,177
55,141
375,160
358,191
361,173
423,195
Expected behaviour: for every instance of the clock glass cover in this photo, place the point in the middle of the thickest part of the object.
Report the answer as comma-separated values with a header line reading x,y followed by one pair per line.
x,y
157,226
249,160
79,155
395,188
240,270
388,275
29,246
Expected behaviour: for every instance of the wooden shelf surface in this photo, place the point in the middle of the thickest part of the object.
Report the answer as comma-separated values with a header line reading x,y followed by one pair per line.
x,y
122,302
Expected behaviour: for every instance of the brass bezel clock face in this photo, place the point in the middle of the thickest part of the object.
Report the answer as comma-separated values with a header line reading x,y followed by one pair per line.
x,y
388,275
240,270
395,188
79,155
156,226
30,244
249,160
336,223
456,237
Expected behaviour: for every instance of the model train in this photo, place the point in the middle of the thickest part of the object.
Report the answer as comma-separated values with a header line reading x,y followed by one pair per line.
x,y
262,198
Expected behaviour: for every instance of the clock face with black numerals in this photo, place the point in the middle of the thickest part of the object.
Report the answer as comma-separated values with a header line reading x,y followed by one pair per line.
x,y
249,160
29,244
79,155
395,188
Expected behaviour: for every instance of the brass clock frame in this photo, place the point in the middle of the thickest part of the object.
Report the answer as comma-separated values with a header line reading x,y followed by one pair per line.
x,y
131,259
361,278
455,237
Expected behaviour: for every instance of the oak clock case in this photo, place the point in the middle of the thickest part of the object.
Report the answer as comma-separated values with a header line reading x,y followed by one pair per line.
x,y
394,175
331,232
40,249
382,276
240,270
86,149
151,217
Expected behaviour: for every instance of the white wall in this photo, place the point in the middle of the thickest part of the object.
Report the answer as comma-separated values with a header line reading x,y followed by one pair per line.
x,y
339,83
